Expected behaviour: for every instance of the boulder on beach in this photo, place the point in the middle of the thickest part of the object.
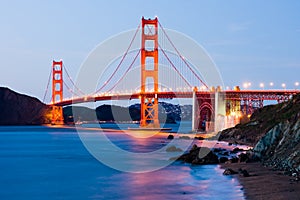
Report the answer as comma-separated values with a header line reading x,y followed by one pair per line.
x,y
173,149
199,155
229,171
170,137
223,159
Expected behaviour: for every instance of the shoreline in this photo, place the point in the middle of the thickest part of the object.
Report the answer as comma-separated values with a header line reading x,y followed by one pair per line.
x,y
265,182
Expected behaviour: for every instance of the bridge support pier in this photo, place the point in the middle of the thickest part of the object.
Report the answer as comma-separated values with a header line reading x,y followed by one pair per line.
x,y
195,118
220,111
57,115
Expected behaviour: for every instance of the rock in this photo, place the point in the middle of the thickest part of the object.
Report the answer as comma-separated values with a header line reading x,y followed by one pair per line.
x,y
233,160
244,173
225,153
243,157
199,155
170,137
274,132
218,150
194,148
229,171
236,150
173,149
223,159
185,137
199,138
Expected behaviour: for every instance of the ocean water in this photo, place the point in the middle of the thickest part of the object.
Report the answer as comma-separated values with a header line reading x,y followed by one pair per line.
x,y
39,162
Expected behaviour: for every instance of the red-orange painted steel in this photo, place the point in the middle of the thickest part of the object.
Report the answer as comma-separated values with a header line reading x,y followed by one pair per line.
x,y
149,105
57,92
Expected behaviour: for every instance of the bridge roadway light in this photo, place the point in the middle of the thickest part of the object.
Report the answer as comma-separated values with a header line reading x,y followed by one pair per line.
x,y
283,85
297,84
262,85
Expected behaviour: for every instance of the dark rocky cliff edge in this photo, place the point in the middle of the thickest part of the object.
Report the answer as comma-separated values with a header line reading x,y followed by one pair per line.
x,y
20,109
274,132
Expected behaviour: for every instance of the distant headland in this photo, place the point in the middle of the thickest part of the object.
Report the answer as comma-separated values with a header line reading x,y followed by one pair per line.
x,y
20,109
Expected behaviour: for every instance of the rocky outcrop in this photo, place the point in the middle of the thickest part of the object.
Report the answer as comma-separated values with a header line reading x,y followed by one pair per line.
x,y
280,147
19,109
199,156
274,132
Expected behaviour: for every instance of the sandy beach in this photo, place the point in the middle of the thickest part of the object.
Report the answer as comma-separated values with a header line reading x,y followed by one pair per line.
x,y
265,183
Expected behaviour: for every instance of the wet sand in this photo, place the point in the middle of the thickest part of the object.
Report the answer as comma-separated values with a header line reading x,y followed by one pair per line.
x,y
265,183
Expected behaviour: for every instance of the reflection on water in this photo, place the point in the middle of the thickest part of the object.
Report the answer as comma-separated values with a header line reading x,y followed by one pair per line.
x,y
43,163
178,182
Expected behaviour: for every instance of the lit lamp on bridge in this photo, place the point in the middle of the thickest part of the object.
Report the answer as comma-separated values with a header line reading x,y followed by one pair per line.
x,y
283,85
246,85
296,85
262,85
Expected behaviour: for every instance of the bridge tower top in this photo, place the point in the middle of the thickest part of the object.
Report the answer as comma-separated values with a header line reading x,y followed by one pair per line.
x,y
149,72
57,81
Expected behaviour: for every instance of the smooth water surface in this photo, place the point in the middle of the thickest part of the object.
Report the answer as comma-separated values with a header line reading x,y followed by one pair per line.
x,y
45,163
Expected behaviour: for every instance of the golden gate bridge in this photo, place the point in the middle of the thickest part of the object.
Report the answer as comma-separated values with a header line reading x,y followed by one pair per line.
x,y
156,65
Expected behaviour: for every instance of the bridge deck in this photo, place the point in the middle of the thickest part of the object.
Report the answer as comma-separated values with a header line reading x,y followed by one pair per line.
x,y
230,95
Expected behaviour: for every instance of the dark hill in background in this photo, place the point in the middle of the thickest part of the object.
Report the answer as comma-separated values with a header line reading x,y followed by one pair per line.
x,y
20,109
274,132
78,113
167,112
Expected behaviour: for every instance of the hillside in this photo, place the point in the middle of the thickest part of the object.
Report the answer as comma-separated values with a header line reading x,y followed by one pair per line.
x,y
20,109
167,112
274,132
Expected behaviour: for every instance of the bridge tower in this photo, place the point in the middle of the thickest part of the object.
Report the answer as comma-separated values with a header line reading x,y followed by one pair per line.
x,y
149,73
57,92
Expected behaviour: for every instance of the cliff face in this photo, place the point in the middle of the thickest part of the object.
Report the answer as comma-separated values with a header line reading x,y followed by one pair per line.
x,y
274,132
280,147
19,109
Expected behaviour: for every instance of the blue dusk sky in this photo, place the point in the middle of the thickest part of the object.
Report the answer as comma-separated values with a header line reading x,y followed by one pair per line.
x,y
252,40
